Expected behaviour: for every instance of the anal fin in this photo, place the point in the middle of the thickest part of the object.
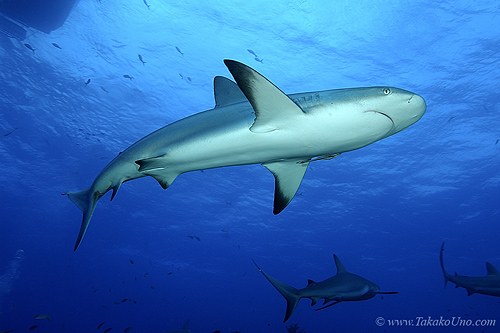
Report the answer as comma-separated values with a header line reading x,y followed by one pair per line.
x,y
288,176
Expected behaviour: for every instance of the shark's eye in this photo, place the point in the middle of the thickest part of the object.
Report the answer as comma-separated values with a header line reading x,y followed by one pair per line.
x,y
387,91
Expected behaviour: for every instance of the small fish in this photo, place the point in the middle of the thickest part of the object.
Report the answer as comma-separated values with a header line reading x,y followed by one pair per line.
x,y
153,287
32,49
100,325
170,273
192,237
495,142
104,89
128,77
127,329
12,130
146,274
108,329
179,50
42,317
33,327
140,58
146,3
252,52
131,261
259,59
197,238
87,82
224,230
55,45
125,300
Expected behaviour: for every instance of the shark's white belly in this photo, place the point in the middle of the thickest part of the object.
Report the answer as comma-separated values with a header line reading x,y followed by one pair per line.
x,y
236,144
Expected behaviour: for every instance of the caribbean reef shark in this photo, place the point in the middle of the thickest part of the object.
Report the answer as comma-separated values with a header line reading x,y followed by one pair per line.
x,y
254,122
342,287
486,285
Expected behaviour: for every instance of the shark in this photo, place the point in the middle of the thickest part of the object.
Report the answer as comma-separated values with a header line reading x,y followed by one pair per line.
x,y
486,285
254,122
185,329
342,287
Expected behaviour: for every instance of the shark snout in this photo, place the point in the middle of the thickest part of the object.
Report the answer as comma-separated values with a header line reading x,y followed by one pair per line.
x,y
406,111
418,106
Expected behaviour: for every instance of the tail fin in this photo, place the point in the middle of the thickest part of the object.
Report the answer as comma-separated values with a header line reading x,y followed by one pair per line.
x,y
446,275
86,201
291,294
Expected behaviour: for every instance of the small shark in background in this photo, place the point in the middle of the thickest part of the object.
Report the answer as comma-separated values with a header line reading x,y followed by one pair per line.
x,y
146,3
342,287
486,285
254,122
185,329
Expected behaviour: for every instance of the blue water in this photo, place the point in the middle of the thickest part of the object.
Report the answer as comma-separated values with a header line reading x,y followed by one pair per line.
x,y
384,209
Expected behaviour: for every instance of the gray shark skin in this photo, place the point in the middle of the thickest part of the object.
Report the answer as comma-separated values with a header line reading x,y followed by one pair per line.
x,y
185,329
343,287
486,285
254,122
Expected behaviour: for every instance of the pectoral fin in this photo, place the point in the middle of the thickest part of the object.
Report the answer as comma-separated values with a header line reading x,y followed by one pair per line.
x,y
288,176
226,92
327,306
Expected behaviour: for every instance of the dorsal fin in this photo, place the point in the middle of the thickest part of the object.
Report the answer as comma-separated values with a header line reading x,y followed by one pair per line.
x,y
226,92
340,267
186,326
273,109
491,269
310,282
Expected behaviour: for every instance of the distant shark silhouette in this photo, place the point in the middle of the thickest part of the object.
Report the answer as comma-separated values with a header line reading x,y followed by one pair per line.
x,y
255,122
185,329
486,285
342,287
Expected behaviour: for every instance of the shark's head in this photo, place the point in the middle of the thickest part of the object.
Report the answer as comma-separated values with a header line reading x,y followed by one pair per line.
x,y
403,107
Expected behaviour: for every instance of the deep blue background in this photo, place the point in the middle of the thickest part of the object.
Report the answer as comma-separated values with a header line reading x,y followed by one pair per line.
x,y
384,209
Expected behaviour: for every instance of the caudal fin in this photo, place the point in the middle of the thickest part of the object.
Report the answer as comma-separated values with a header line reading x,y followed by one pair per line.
x,y
446,275
291,294
86,201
